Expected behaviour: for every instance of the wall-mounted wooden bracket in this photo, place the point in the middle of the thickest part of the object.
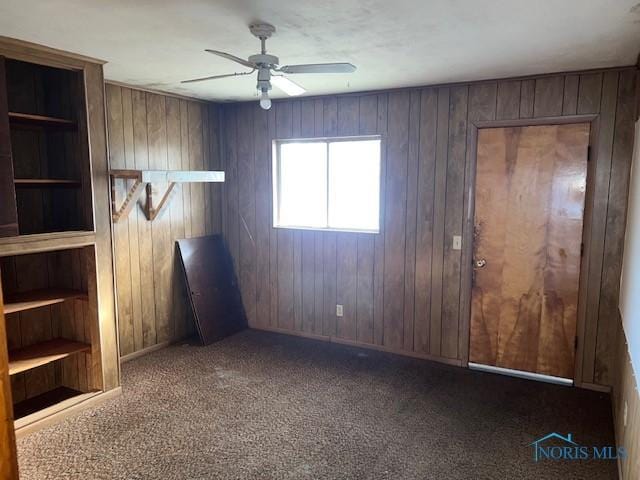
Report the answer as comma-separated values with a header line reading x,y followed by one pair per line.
x,y
143,180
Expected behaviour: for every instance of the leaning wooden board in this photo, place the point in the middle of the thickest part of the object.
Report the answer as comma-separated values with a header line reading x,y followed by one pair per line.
x,y
212,287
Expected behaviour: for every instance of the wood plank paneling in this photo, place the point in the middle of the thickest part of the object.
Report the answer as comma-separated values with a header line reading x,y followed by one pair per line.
x,y
297,236
308,257
527,98
614,229
247,211
318,130
161,226
262,169
404,288
424,227
346,243
626,406
508,101
411,220
367,125
454,202
597,92
548,97
378,246
149,130
395,218
439,208
284,129
330,128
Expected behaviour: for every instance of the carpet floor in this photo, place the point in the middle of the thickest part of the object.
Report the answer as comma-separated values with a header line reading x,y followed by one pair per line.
x,y
268,406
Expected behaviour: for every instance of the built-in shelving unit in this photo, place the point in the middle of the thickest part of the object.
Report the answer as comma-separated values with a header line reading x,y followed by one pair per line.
x,y
47,154
52,324
59,318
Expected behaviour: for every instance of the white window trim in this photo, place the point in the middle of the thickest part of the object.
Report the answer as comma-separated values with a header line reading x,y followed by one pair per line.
x,y
275,169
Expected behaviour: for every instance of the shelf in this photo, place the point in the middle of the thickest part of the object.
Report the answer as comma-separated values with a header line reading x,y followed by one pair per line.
x,y
45,182
40,354
142,180
42,401
40,120
20,302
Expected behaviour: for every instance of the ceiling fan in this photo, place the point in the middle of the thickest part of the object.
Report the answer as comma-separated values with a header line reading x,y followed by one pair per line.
x,y
269,68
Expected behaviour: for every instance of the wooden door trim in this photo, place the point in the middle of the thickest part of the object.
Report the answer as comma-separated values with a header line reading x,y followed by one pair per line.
x,y
469,215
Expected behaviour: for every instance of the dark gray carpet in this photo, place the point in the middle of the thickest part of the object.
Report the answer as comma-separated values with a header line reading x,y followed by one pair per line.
x,y
260,405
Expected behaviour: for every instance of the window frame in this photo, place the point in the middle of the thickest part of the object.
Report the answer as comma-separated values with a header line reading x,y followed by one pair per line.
x,y
277,187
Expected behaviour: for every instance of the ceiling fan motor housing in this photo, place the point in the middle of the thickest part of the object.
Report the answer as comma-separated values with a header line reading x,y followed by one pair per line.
x,y
264,79
264,59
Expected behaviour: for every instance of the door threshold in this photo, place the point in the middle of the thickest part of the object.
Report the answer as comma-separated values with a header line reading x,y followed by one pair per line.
x,y
521,374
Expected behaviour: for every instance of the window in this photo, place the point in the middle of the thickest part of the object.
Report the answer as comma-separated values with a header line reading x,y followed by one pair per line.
x,y
327,184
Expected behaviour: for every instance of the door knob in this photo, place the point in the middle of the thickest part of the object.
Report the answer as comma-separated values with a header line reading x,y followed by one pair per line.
x,y
479,263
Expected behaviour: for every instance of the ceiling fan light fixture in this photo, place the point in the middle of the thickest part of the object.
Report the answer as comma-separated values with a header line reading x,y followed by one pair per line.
x,y
269,68
265,101
287,86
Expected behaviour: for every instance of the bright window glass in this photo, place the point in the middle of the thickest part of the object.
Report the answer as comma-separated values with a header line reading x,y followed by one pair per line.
x,y
303,185
327,184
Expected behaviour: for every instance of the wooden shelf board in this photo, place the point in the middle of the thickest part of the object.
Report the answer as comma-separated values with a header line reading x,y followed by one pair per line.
x,y
40,354
61,410
167,176
143,180
42,401
40,120
40,298
45,182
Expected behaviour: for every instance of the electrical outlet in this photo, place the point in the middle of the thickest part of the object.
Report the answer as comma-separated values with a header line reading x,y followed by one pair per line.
x,y
624,414
339,312
457,242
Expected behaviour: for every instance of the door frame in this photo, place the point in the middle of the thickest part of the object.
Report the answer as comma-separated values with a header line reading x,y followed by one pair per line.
x,y
469,216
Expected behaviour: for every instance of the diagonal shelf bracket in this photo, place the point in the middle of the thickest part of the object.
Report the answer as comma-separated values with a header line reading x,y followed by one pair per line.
x,y
130,200
151,212
143,180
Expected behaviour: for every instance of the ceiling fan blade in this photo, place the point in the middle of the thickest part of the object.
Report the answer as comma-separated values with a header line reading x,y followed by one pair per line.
x,y
233,58
289,87
319,68
214,77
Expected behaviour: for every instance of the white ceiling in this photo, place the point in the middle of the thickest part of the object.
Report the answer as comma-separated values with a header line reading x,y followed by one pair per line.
x,y
394,43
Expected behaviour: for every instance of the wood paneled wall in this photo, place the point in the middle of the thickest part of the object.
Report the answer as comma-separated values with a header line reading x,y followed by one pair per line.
x,y
402,289
152,131
625,392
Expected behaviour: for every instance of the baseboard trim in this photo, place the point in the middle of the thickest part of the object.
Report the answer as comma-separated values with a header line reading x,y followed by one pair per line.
x,y
144,351
62,410
521,374
353,343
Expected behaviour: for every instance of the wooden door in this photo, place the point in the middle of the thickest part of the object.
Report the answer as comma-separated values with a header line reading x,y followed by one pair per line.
x,y
8,462
212,286
529,205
